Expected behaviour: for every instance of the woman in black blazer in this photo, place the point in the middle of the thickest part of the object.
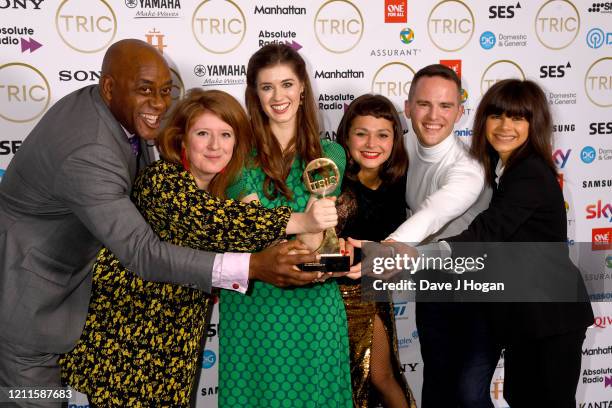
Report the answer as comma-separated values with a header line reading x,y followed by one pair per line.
x,y
542,340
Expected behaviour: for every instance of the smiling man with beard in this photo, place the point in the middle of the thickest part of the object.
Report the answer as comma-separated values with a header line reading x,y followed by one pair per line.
x,y
67,192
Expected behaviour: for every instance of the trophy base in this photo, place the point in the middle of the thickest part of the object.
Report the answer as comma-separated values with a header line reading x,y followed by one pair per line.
x,y
328,263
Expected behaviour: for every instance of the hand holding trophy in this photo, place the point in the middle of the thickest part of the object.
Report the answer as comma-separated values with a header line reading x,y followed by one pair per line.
x,y
321,177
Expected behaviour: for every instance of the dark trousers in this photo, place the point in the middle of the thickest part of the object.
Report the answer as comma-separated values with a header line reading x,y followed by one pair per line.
x,y
543,372
459,355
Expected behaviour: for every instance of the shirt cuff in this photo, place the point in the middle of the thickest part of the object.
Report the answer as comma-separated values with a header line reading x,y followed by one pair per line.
x,y
231,271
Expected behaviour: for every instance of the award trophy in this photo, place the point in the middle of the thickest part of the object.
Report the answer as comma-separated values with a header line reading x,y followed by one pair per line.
x,y
321,177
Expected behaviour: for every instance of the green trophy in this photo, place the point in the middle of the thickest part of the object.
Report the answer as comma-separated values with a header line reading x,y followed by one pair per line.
x,y
321,177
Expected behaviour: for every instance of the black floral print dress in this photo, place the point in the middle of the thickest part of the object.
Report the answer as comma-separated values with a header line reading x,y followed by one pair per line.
x,y
141,341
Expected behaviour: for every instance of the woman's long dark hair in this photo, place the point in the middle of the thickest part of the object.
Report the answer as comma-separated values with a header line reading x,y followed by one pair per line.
x,y
275,163
379,107
514,98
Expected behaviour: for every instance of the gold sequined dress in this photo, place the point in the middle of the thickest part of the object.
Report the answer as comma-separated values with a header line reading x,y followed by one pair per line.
x,y
369,214
142,340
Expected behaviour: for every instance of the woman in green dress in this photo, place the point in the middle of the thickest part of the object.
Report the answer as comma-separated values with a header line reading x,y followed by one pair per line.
x,y
283,347
141,340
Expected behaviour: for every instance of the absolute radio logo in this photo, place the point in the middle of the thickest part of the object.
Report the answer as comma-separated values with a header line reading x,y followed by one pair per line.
x,y
19,36
86,26
499,70
279,37
25,93
393,81
155,8
219,26
337,101
450,25
598,82
557,24
396,11
338,26
601,239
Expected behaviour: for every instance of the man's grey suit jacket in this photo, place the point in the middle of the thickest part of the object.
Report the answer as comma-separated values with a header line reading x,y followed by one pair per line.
x,y
64,195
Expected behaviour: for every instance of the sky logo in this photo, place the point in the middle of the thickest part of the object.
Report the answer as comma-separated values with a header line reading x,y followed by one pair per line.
x,y
209,358
588,154
487,40
560,157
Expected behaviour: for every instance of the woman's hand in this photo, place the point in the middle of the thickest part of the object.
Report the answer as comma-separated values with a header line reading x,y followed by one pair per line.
x,y
320,214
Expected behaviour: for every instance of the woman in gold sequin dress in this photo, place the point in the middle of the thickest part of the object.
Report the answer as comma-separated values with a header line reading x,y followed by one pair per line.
x,y
371,206
141,340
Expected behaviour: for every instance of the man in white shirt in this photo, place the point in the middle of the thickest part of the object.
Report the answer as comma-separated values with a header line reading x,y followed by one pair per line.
x,y
445,191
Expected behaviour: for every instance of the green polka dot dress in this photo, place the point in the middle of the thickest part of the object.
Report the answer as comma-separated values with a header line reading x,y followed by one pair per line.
x,y
285,347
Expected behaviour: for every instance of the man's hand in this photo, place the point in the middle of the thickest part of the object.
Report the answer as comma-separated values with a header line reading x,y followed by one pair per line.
x,y
277,265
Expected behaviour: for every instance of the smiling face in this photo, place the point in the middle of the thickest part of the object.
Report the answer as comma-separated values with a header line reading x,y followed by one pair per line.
x,y
433,109
279,91
139,94
209,147
370,141
506,134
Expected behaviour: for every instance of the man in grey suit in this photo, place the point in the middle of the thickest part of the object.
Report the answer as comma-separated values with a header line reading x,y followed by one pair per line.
x,y
66,193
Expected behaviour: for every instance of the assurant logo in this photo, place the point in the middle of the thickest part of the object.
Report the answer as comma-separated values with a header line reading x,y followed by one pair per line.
x,y
25,93
450,25
557,24
338,26
407,35
86,26
219,26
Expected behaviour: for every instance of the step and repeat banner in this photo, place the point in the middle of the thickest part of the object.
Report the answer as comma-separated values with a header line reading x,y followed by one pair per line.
x,y
52,47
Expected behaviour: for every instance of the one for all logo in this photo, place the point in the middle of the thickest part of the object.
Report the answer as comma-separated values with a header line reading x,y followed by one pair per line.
x,y
219,26
24,92
338,26
86,26
450,25
557,23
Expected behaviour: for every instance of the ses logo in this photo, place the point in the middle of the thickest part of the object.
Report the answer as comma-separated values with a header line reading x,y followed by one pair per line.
x,y
554,71
599,210
597,38
396,11
9,146
222,74
601,239
209,358
600,8
487,40
86,26
600,128
560,157
503,11
155,8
